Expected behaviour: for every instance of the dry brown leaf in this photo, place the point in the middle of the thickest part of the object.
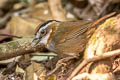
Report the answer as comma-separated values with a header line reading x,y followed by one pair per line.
x,y
22,26
36,71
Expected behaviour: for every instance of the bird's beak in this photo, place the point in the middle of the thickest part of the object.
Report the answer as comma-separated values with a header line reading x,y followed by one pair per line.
x,y
35,42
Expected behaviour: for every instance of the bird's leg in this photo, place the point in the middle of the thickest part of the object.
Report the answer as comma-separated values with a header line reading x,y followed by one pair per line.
x,y
60,63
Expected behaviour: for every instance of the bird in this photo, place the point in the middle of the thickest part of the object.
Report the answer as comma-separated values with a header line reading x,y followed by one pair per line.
x,y
63,38
66,38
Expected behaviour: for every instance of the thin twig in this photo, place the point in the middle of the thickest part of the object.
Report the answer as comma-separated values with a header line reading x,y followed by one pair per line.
x,y
9,35
54,70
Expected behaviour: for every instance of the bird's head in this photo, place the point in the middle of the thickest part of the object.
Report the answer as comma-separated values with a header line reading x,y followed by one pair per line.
x,y
44,32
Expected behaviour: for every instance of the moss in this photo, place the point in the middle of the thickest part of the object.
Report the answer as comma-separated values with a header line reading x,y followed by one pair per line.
x,y
13,44
109,22
109,25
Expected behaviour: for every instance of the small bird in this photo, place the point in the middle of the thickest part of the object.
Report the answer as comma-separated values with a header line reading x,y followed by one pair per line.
x,y
63,38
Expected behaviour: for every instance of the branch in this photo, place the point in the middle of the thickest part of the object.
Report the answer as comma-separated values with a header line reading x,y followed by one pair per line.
x,y
96,58
17,47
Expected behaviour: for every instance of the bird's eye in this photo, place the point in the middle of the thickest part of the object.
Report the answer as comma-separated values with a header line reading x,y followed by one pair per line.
x,y
43,32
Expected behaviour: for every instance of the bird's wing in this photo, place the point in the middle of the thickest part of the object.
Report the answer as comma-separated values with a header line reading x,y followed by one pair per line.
x,y
74,30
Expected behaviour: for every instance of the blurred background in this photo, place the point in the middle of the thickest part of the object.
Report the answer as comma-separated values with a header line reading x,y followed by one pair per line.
x,y
21,17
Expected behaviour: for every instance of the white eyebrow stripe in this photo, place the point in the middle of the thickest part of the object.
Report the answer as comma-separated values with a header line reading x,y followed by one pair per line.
x,y
45,26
